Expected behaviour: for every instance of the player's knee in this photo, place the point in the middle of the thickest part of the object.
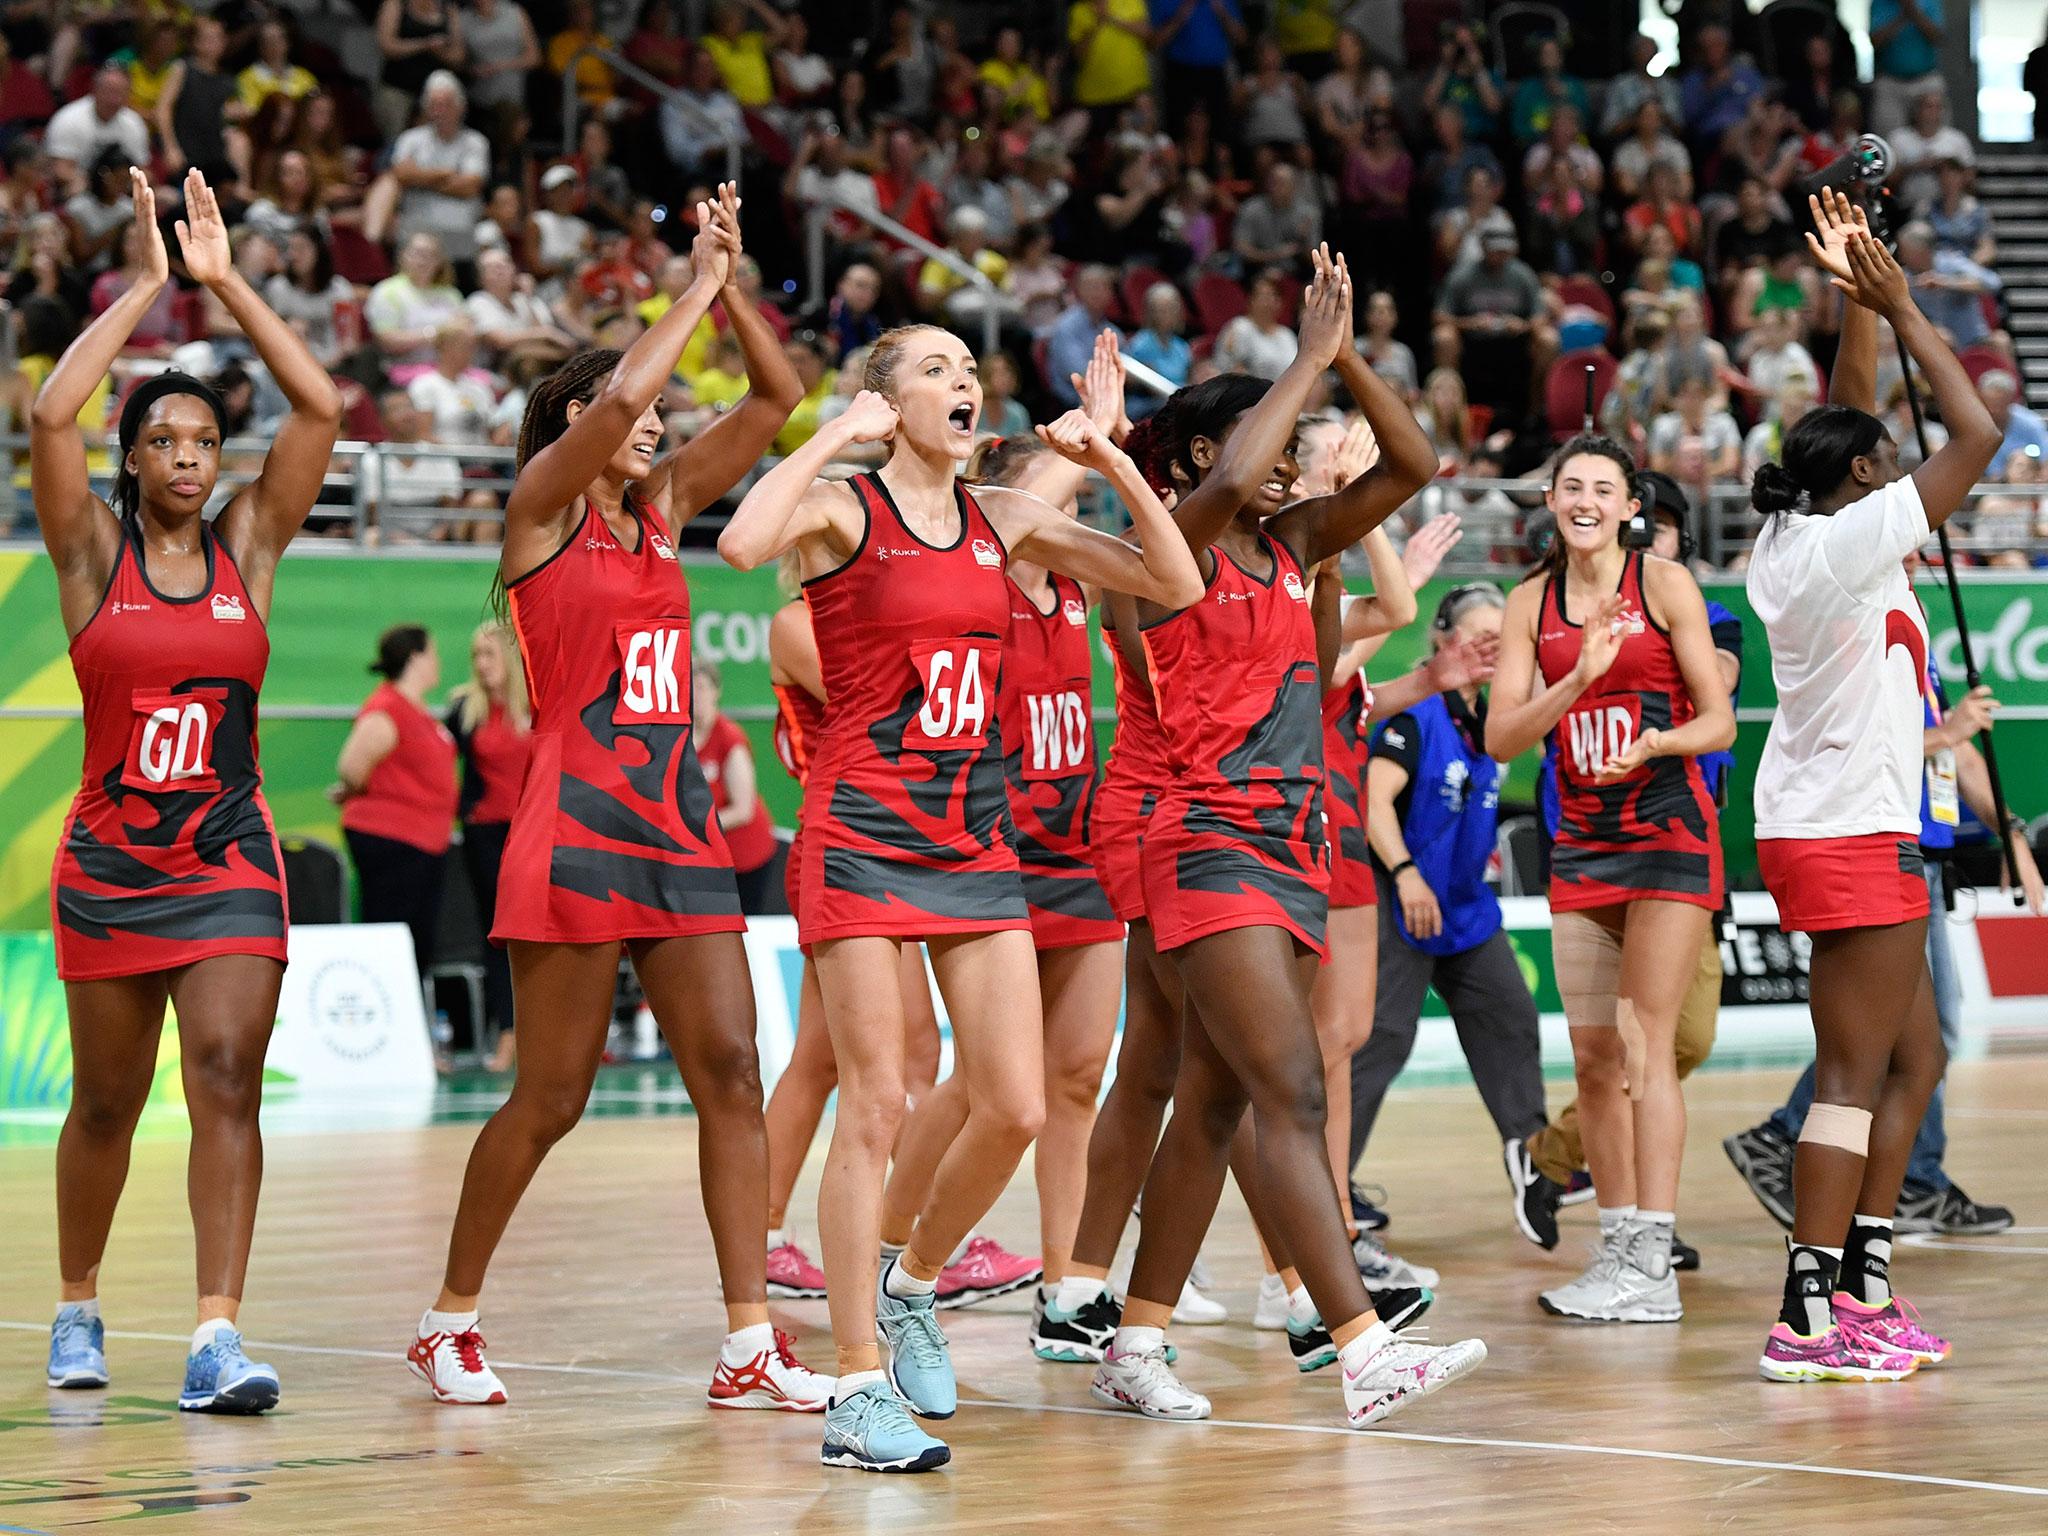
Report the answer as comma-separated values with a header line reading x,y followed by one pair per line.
x,y
549,1112
1013,1115
726,1073
1598,1059
224,1081
105,1111
867,1119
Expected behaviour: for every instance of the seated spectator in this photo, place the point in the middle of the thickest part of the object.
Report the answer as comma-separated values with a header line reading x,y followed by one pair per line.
x,y
1898,413
1258,342
290,200
1947,285
25,99
1126,221
818,382
1013,85
1564,140
455,395
1690,353
906,72
1162,345
1694,442
1491,323
404,494
971,186
824,174
1716,92
83,130
723,384
696,141
503,226
338,166
741,52
273,73
942,289
439,169
1461,231
1662,204
1351,93
902,190
850,321
2025,431
560,241
1920,147
1835,138
258,258
1959,221
408,308
1001,411
603,188
1040,189
1652,290
500,50
1810,89
1765,443
309,295
43,269
158,332
1071,340
1627,91
1756,236
1389,356
1684,273
1564,221
1446,415
746,277
1449,167
1038,280
1111,44
1538,98
1191,221
1637,395
1462,79
99,212
1650,142
1766,144
611,279
1788,285
415,37
149,64
596,85
2007,527
659,44
1272,106
1772,355
802,78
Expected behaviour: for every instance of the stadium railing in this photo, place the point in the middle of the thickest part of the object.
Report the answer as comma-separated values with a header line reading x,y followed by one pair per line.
x,y
572,104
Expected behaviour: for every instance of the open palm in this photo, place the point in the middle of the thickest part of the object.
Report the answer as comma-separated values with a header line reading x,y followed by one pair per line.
x,y
155,259
203,233
1835,219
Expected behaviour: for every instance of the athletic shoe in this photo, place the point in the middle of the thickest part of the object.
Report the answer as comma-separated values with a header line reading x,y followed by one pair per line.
x,y
453,1365
868,1430
78,1349
1620,1285
1894,1327
986,1269
221,1379
792,1276
1377,1267
1198,1311
1270,1314
1578,1189
1078,1337
1311,1344
1368,1211
1838,1354
1959,1216
774,1378
1683,1255
1537,1197
1400,1305
1146,1383
1399,1373
1764,1159
920,1368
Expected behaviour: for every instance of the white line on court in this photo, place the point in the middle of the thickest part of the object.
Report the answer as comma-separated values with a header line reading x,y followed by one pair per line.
x,y
1967,1244
1546,1446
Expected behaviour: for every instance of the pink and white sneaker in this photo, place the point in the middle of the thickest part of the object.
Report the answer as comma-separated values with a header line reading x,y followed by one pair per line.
x,y
984,1269
773,1379
1401,1372
1839,1354
453,1365
792,1276
1895,1326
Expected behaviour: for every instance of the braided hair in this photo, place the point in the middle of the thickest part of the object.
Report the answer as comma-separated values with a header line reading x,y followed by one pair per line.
x,y
547,417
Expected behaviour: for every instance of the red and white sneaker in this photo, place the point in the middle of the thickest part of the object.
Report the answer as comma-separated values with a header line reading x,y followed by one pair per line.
x,y
1834,1354
774,1378
792,1276
984,1269
453,1365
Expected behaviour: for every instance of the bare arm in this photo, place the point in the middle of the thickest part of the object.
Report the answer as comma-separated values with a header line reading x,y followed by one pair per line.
x,y
793,649
371,739
741,793
1392,604
1973,785
1520,715
1325,524
167,115
790,504
1056,478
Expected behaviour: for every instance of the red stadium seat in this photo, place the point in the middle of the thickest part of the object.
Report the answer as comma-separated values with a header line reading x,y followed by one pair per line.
x,y
1138,282
1981,359
356,257
1564,390
1583,290
1218,301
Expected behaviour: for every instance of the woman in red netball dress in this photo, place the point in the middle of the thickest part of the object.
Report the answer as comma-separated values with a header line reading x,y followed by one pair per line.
x,y
904,577
168,885
1235,867
615,841
493,728
1634,694
728,762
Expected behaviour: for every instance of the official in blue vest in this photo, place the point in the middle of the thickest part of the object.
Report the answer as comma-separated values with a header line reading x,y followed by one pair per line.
x,y
1433,803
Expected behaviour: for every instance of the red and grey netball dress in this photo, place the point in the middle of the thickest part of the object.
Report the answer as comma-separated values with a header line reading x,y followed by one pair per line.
x,y
615,836
1345,745
1138,770
1045,708
168,855
1655,834
798,719
907,824
1237,839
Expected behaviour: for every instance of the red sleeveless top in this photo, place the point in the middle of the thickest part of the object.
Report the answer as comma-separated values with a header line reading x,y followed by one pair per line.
x,y
1346,744
1138,768
168,854
798,719
753,841
615,836
411,794
498,754
907,827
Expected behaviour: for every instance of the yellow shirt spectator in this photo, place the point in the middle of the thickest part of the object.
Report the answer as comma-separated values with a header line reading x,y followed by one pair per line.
x,y
1304,26
743,61
937,280
595,82
1110,37
92,416
1023,88
260,80
716,388
802,425
697,350
146,85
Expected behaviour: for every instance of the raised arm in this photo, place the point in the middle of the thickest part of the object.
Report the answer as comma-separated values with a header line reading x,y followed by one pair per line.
x,y
1519,715
790,503
1382,613
1854,380
166,116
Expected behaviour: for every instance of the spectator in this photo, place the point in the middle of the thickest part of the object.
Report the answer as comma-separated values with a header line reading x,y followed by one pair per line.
x,y
1685,273
1461,231
1071,341
850,320
1716,92
492,724
942,289
603,188
1490,321
2006,527
1564,141
1377,189
1898,417
1162,345
746,277
454,395
25,99
851,114
1002,413
290,200
407,309
1447,171
1039,189
741,52
407,493
902,190
500,50
1129,222
158,331
1012,83
1959,221
802,78
510,321
1662,203
416,38
1272,106
1638,394
1690,353
1905,45
2025,431
1538,98
698,132
83,130
1446,415
440,167
1307,33
200,110
596,86
1111,42
612,279
1196,40
150,64
1627,91
312,298
503,226
1038,280
1695,443
823,173
1921,145
724,384
1564,222
1351,94
1258,342
819,381
98,213
1462,79
1773,355
1766,441
658,44
1947,285
274,74
1827,144
1649,143
560,241
1811,89
971,186
906,73
2034,81
1389,356
728,763
1766,144
1754,237
43,269
337,164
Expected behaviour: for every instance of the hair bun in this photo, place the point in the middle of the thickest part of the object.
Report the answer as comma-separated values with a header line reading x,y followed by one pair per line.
x,y
1774,490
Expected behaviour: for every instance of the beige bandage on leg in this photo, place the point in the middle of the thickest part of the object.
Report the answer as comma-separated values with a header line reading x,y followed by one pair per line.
x,y
1586,954
1838,1125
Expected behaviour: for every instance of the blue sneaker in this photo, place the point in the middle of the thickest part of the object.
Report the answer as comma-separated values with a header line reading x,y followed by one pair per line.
x,y
221,1379
78,1356
868,1430
919,1366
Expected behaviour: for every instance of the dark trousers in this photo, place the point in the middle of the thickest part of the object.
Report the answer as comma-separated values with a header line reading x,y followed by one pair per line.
x,y
1495,1018
483,854
398,883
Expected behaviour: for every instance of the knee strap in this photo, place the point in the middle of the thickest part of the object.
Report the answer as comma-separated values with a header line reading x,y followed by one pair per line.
x,y
1587,958
1838,1125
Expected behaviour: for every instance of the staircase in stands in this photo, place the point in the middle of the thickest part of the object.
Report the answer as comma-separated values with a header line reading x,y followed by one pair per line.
x,y
2012,181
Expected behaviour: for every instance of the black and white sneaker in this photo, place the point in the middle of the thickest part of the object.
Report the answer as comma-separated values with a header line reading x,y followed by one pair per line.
x,y
1537,1196
1311,1345
1367,1213
1076,1338
1949,1212
1400,1305
1683,1254
1764,1159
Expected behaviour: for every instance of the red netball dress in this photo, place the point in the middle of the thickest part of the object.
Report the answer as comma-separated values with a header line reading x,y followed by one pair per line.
x,y
498,754
907,831
752,842
1237,838
615,836
411,795
1654,834
168,855
1044,705
1344,753
1138,770
798,719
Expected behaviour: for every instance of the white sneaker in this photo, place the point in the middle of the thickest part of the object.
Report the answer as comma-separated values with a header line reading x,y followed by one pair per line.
x,y
1627,1282
1145,1382
1270,1315
1197,1310
1401,1373
453,1365
774,1378
1381,1270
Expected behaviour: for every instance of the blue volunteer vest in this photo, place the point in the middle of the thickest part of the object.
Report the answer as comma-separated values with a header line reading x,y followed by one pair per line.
x,y
1934,834
1453,812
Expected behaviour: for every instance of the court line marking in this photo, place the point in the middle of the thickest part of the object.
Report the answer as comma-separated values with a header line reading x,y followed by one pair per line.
x,y
1985,1244
1553,1447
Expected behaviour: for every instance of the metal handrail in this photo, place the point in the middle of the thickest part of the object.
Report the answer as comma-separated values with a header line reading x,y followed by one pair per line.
x,y
572,104
825,202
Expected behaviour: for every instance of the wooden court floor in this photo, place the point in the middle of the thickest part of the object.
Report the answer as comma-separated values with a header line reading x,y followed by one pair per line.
x,y
605,1291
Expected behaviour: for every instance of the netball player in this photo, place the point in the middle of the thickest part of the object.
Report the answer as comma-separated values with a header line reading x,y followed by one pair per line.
x,y
615,842
904,574
1633,691
1235,867
1838,792
168,883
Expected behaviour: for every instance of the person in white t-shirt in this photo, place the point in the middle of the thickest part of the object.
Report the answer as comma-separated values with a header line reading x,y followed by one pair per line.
x,y
1838,808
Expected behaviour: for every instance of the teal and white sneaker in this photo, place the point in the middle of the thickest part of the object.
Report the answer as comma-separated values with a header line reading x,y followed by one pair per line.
x,y
78,1355
221,1379
868,1430
1311,1344
920,1368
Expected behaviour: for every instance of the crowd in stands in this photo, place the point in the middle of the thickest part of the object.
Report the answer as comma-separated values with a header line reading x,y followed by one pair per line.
x,y
405,186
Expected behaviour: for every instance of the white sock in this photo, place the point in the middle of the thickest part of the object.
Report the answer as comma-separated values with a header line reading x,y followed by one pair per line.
x,y
852,1382
1361,1349
1614,1217
743,1344
446,1322
206,1332
1076,1291
1272,1285
1301,1311
1657,1218
903,1285
890,1250
1137,1341
90,1307
776,1238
